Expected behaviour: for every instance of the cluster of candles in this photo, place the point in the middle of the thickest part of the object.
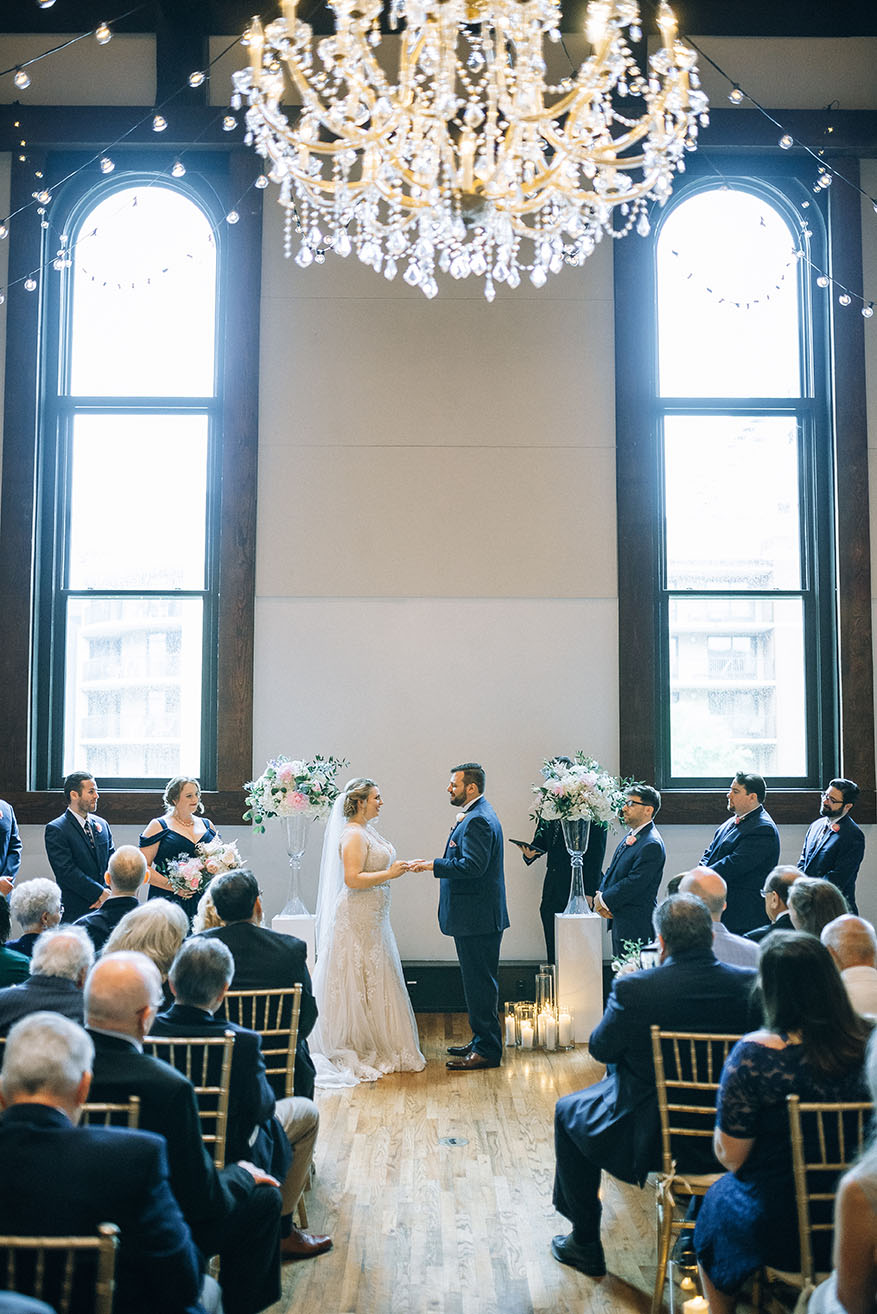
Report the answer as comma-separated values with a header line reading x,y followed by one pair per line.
x,y
544,1024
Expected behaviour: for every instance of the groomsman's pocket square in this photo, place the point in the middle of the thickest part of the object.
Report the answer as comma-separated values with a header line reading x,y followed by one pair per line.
x,y
452,844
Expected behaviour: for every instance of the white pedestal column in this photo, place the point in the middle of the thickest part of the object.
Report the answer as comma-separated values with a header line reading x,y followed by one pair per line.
x,y
303,927
579,941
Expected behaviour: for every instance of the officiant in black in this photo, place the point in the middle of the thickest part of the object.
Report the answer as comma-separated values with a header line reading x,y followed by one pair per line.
x,y
548,841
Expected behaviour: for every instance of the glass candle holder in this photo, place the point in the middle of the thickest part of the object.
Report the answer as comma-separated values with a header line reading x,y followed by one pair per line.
x,y
511,1031
566,1027
546,1028
545,988
525,1025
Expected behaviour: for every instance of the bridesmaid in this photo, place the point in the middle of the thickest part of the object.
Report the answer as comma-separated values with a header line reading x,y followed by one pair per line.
x,y
174,836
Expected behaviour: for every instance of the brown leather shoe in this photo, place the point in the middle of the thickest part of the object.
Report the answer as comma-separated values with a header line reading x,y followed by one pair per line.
x,y
473,1062
303,1245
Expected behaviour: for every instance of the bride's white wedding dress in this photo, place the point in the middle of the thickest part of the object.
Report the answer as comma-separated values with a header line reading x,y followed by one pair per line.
x,y
366,1024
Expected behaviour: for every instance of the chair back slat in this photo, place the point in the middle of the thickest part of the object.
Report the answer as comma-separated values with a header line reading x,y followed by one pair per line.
x,y
206,1062
62,1270
98,1113
274,1014
688,1068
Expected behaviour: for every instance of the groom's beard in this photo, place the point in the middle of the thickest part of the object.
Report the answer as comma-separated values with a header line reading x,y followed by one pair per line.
x,y
457,800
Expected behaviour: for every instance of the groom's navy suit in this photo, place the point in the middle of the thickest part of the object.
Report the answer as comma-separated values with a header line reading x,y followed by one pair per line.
x,y
472,908
744,851
631,885
834,855
79,869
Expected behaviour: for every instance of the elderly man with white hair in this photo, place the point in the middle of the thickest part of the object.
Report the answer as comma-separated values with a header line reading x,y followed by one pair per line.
x,y
711,887
852,943
64,1180
61,961
36,906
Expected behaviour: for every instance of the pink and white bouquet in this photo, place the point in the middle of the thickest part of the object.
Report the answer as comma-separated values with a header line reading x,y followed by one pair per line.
x,y
579,791
289,785
191,876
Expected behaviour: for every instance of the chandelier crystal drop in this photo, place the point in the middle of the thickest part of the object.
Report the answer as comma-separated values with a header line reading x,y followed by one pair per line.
x,y
466,159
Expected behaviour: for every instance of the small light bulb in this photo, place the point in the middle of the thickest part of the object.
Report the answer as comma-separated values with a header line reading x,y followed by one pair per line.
x,y
822,280
21,79
45,4
102,34
44,197
196,79
30,284
178,169
261,182
4,231
159,123
106,164
232,217
735,96
824,180
2,297
787,141
868,311
229,123
844,299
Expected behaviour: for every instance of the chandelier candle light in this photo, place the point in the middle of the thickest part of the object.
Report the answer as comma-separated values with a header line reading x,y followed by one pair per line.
x,y
467,151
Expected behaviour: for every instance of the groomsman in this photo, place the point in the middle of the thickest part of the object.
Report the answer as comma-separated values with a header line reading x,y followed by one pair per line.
x,y
834,846
10,848
744,851
79,848
629,888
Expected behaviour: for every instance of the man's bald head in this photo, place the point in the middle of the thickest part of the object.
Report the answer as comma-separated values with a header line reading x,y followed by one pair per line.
x,y
123,993
851,941
709,886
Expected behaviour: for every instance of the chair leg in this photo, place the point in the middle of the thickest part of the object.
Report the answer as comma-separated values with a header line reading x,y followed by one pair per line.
x,y
665,1232
302,1213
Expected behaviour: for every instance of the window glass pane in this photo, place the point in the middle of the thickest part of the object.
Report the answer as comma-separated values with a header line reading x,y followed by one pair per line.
x,y
138,502
727,299
144,276
732,502
737,698
133,686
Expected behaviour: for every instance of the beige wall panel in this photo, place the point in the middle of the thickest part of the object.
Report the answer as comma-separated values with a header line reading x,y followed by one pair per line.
x,y
414,522
120,73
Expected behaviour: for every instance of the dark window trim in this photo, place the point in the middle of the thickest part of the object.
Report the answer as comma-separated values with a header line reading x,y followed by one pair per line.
x,y
237,482
640,532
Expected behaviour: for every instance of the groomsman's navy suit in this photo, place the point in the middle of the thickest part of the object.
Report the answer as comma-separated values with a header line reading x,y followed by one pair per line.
x,y
79,869
630,885
835,855
10,843
613,1125
472,908
744,851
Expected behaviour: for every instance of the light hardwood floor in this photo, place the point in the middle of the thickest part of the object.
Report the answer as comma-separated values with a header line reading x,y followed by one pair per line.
x,y
424,1227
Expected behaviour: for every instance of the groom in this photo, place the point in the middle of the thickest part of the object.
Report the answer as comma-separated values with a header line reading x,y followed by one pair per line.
x,y
472,908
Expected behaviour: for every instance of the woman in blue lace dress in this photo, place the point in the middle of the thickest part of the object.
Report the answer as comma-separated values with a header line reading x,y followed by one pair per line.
x,y
812,1045
174,836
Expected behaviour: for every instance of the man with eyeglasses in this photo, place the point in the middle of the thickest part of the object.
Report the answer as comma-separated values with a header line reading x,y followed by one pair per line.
x,y
628,891
776,903
834,845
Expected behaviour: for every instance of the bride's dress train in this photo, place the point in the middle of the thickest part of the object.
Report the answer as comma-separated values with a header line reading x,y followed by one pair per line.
x,y
366,1024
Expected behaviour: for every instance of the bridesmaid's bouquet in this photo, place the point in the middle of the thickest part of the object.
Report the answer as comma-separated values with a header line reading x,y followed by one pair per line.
x,y
289,785
191,876
583,791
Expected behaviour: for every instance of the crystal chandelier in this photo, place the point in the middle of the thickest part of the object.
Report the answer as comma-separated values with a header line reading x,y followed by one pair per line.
x,y
465,159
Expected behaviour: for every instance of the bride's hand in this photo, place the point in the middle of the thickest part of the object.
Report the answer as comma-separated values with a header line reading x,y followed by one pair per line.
x,y
397,868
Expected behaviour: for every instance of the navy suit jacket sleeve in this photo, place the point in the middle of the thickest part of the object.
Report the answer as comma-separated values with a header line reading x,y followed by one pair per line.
x,y
646,865
12,861
471,854
68,875
161,1245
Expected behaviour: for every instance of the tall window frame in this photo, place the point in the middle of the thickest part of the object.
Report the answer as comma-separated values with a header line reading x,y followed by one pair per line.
x,y
841,713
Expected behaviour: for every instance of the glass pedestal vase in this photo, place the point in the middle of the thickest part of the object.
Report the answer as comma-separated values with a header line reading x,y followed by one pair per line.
x,y
298,826
575,837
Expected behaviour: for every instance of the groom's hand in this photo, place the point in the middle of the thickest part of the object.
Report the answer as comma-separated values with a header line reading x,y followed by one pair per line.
x,y
420,865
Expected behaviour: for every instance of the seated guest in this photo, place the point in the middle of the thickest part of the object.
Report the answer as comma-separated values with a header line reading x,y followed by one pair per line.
x,y
727,947
776,903
265,960
613,1125
234,1213
125,873
35,905
157,929
812,1045
813,903
258,1127
60,963
14,967
69,1179
206,916
853,946
852,1287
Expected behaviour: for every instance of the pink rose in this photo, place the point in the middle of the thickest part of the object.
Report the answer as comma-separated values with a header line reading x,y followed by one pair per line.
x,y
557,787
213,867
298,801
285,773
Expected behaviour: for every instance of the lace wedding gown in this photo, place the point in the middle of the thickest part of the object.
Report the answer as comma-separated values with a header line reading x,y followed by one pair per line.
x,y
366,1025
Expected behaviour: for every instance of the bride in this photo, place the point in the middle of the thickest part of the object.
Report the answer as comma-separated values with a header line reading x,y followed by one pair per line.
x,y
366,1024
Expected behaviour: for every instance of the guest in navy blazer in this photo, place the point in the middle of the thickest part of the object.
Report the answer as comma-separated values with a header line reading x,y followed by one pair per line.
x,y
10,848
79,848
834,846
613,1126
629,888
744,851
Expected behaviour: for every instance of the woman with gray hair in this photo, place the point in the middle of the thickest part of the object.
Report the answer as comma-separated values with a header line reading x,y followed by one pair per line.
x,y
156,929
36,905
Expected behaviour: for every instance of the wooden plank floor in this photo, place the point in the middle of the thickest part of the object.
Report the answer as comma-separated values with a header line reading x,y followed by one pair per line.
x,y
422,1227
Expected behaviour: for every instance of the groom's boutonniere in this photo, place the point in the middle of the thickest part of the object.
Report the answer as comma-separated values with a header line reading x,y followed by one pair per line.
x,y
631,839
460,816
835,828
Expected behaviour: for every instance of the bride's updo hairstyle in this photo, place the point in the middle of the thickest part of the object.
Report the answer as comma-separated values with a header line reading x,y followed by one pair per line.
x,y
356,791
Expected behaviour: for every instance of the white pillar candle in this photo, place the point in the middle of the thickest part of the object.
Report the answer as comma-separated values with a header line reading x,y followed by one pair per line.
x,y
547,1030
697,1305
510,1029
565,1030
526,1035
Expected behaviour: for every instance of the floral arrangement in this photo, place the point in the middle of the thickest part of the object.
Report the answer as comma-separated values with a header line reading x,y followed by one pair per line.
x,y
583,791
191,876
629,959
289,785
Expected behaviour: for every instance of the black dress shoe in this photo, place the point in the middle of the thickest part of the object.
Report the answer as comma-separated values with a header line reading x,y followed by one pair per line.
x,y
460,1051
471,1062
587,1258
